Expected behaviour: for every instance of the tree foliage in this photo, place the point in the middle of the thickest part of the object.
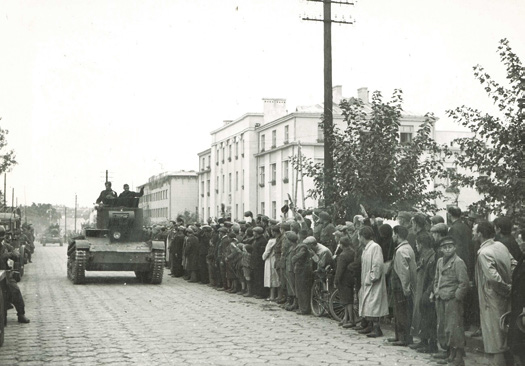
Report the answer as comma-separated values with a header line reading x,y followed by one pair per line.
x,y
41,215
496,151
373,168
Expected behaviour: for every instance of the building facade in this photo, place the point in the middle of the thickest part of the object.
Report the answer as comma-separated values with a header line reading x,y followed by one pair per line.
x,y
249,165
168,195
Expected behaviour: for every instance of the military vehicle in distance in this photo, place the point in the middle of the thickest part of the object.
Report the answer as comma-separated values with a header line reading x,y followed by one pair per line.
x,y
52,236
117,244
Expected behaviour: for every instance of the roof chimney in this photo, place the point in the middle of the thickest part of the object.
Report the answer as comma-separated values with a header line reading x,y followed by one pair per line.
x,y
337,94
274,108
362,93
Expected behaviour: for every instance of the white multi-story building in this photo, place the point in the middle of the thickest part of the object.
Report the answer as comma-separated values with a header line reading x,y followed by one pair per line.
x,y
249,164
168,195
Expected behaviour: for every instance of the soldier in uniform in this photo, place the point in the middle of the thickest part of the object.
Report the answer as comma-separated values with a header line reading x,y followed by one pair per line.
x,y
130,194
14,294
107,193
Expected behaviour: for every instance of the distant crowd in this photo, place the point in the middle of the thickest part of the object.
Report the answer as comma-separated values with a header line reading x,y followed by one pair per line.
x,y
419,271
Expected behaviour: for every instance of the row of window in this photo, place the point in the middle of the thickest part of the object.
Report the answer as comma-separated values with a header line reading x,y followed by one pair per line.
x,y
229,144
156,196
238,213
273,173
262,146
161,212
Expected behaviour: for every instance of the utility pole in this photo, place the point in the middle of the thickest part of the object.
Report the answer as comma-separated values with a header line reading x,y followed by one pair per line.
x,y
328,118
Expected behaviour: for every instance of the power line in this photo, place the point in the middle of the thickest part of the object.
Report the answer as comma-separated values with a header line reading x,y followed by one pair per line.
x,y
328,118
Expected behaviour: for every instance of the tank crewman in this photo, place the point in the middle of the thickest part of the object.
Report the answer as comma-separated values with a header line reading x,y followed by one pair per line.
x,y
130,194
106,193
14,294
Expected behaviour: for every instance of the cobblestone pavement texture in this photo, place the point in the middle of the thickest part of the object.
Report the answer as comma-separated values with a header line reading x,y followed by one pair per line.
x,y
115,320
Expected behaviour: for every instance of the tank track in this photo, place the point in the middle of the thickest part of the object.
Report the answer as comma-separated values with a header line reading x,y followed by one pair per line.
x,y
78,267
158,267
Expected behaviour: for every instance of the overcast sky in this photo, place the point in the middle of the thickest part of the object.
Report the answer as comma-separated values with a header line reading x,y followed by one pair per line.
x,y
136,86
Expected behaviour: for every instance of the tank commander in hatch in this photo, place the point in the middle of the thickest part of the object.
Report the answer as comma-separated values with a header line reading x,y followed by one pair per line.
x,y
108,193
130,194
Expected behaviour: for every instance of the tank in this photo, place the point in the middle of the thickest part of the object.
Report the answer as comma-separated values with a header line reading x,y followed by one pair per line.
x,y
117,244
52,236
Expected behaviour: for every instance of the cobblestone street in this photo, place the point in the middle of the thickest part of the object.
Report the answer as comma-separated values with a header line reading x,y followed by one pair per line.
x,y
115,320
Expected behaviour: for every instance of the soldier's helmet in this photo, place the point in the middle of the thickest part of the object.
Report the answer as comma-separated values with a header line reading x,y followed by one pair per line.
x,y
2,232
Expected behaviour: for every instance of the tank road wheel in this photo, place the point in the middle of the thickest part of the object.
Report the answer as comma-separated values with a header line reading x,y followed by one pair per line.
x,y
155,276
336,308
316,299
78,266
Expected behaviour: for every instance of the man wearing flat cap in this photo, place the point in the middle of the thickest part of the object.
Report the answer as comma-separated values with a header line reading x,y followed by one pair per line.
x,y
224,244
326,234
259,246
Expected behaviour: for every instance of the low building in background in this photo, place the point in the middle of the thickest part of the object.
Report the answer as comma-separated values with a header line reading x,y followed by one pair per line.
x,y
168,195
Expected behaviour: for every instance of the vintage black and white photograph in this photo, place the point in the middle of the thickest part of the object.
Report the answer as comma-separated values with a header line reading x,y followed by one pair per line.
x,y
262,182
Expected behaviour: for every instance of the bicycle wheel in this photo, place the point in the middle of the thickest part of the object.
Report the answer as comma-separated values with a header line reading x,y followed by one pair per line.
x,y
316,299
337,309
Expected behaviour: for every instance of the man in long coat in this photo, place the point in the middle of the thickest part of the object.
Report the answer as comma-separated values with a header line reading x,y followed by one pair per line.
x,y
373,298
493,278
403,285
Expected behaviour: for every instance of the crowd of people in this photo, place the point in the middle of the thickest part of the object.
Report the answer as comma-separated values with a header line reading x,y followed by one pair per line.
x,y
418,271
11,243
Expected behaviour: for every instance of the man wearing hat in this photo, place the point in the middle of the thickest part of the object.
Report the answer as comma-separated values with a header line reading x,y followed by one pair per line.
x,y
259,246
176,246
450,288
303,274
192,255
326,232
13,291
224,244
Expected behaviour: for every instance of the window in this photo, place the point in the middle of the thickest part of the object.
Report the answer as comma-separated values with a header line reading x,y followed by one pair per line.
x,y
286,134
217,156
223,153
261,176
202,188
242,146
237,211
209,162
230,182
209,212
236,181
223,182
286,168
236,149
229,152
273,170
405,134
208,187
262,143
274,138
203,164
274,209
243,180
320,133
217,186
262,208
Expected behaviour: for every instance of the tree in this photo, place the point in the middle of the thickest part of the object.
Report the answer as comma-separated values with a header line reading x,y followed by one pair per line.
x,y
373,168
496,151
7,157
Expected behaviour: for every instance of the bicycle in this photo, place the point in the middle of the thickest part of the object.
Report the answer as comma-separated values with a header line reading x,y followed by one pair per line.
x,y
325,297
322,289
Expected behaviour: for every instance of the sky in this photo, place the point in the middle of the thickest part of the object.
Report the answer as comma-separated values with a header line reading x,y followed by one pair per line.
x,y
136,86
